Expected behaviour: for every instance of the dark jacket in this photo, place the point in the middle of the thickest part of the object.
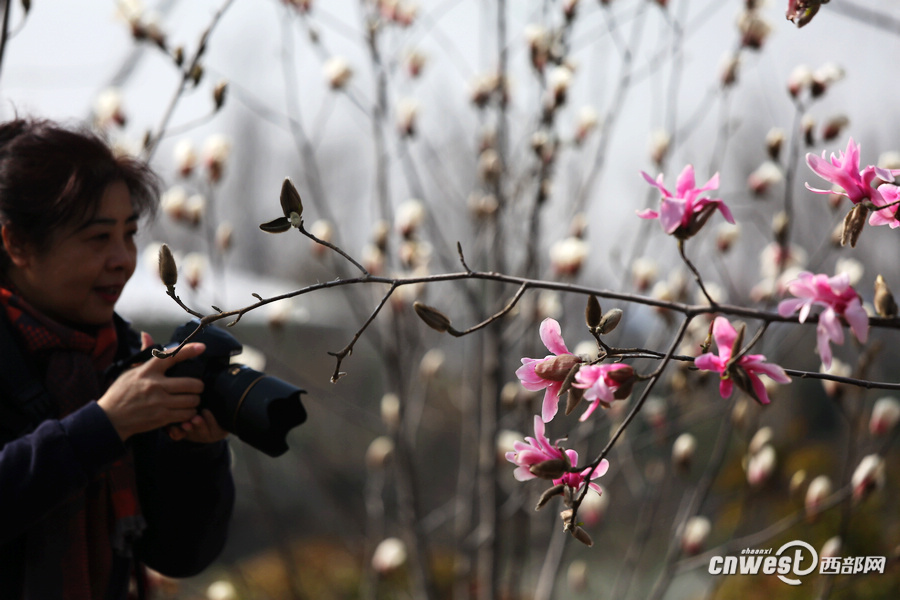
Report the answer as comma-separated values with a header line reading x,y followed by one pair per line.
x,y
185,490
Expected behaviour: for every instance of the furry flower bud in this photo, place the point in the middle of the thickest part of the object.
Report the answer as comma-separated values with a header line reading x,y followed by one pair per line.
x,y
168,270
432,317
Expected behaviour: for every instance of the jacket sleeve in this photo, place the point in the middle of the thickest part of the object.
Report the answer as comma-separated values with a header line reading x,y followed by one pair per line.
x,y
187,496
42,469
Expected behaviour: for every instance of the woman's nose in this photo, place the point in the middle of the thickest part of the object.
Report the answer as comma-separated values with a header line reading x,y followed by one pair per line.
x,y
122,255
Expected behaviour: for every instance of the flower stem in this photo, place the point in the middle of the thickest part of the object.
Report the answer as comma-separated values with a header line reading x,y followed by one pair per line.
x,y
696,273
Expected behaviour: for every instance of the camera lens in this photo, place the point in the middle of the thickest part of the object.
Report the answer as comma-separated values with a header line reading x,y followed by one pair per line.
x,y
258,408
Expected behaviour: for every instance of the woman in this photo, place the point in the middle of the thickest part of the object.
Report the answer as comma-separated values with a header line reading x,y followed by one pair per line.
x,y
95,480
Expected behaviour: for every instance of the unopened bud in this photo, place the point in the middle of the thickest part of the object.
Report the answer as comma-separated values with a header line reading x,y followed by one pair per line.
x,y
582,536
224,236
550,469
290,199
593,314
819,489
831,547
567,255
808,125
797,481
726,235
885,305
389,556
799,79
853,225
390,411
754,30
219,94
696,530
729,70
868,476
548,495
764,177
337,72
379,451
432,317
824,76
885,415
659,146
762,437
761,466
556,368
610,320
774,141
490,166
834,126
196,74
168,270
683,451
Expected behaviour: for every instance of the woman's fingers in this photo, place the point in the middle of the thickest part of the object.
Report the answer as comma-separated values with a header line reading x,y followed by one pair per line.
x,y
146,340
183,385
161,365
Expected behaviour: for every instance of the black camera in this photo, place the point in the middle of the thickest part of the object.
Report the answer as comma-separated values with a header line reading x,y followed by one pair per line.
x,y
258,408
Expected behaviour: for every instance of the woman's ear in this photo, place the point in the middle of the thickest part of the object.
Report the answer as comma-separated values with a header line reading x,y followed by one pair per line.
x,y
17,251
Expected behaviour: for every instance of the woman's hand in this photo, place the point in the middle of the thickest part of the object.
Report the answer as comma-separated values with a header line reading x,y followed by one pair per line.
x,y
143,398
202,428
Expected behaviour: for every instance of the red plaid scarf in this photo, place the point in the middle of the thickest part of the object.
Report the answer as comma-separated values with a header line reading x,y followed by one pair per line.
x,y
85,530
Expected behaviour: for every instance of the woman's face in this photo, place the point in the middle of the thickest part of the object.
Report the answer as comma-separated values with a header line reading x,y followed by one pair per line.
x,y
79,278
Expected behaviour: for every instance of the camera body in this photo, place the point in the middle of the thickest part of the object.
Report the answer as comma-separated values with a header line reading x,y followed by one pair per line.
x,y
258,408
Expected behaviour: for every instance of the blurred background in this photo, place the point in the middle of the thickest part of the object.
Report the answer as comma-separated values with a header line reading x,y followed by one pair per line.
x,y
517,129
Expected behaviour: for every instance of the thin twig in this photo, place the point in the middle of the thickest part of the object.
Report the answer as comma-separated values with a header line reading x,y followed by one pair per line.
x,y
186,76
333,247
696,273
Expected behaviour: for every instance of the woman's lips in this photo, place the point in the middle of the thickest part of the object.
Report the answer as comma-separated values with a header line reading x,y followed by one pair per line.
x,y
109,293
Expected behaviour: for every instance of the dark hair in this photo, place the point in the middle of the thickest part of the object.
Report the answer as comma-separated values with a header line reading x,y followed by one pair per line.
x,y
52,176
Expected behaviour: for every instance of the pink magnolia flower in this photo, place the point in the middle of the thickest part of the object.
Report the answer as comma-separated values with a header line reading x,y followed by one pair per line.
x,y
838,298
843,171
538,449
548,372
603,384
744,371
683,213
887,195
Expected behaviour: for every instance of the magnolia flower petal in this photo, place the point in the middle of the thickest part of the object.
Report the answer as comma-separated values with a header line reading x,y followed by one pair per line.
x,y
789,306
823,346
858,319
726,386
773,371
523,474
551,335
589,410
726,212
671,213
708,362
724,334
550,406
685,181
759,389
